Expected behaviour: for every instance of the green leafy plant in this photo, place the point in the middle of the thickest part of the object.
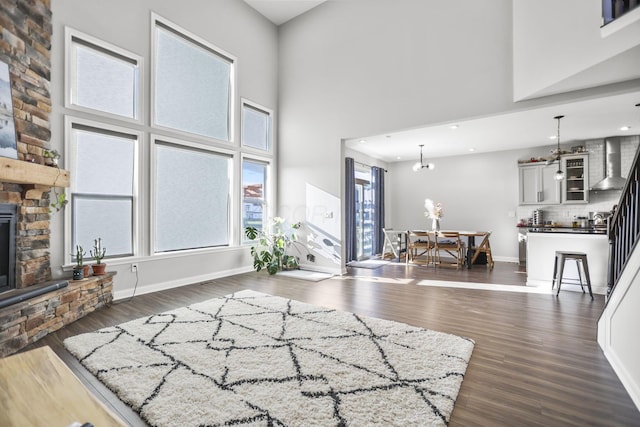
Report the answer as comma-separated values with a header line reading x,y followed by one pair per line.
x,y
98,252
51,157
272,244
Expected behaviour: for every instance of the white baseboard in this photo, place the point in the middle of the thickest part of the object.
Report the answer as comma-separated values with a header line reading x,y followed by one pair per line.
x,y
147,289
570,287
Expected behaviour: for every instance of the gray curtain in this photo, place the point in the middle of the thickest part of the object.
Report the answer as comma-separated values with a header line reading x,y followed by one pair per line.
x,y
377,184
351,249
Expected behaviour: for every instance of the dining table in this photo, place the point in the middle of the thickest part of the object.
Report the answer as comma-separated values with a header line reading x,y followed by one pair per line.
x,y
471,241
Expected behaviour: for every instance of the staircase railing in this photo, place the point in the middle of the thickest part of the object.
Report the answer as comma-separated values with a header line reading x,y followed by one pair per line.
x,y
614,9
624,226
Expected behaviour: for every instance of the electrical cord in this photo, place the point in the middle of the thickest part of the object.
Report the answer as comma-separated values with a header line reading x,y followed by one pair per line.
x,y
135,287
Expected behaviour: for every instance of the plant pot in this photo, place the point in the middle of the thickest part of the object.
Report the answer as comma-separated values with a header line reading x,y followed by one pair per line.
x,y
98,269
78,273
86,269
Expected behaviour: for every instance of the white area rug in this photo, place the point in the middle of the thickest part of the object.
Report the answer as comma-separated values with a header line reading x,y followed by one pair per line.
x,y
369,263
260,360
487,286
312,276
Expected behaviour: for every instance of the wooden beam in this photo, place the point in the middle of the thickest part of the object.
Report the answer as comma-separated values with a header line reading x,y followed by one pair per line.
x,y
21,172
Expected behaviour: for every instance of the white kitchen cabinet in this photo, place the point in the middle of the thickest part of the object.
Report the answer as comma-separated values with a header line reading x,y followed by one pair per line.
x,y
538,185
575,187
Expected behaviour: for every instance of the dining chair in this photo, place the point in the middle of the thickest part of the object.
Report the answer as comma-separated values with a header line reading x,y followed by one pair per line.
x,y
450,243
419,246
483,247
392,246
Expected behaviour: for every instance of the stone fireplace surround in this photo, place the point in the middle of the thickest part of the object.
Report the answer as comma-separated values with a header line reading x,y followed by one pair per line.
x,y
32,310
39,305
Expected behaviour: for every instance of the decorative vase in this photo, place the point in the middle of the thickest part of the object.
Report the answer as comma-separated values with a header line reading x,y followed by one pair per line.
x,y
98,269
435,224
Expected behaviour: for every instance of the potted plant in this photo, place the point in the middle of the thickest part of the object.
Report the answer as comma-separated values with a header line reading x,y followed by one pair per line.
x,y
98,253
86,268
270,252
51,157
78,269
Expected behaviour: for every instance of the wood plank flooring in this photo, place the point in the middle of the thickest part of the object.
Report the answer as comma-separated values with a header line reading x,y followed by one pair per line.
x,y
536,361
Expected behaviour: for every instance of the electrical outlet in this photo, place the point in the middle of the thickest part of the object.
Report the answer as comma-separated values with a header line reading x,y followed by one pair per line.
x,y
134,268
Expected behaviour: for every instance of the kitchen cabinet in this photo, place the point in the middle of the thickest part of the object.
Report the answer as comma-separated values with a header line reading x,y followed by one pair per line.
x,y
575,187
538,185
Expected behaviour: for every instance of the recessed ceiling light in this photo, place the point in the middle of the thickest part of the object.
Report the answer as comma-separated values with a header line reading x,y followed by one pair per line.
x,y
553,137
625,128
472,149
398,158
454,127
362,141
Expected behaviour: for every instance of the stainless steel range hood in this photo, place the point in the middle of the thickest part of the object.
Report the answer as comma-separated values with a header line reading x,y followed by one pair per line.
x,y
613,178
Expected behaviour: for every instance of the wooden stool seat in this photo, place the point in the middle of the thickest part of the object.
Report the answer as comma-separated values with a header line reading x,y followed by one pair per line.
x,y
581,260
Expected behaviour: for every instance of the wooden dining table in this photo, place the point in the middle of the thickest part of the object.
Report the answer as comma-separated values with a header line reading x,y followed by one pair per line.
x,y
471,241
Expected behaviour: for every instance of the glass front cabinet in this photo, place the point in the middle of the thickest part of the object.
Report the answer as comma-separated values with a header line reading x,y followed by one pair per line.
x,y
575,186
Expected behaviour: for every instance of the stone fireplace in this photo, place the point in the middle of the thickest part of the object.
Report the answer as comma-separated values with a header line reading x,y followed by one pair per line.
x,y
31,303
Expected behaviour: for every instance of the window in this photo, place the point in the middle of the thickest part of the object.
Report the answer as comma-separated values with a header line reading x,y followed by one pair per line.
x,y
256,126
193,88
103,186
102,77
254,192
192,197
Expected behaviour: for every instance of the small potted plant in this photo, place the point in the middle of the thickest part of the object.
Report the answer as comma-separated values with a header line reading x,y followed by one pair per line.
x,y
86,268
51,157
78,269
98,253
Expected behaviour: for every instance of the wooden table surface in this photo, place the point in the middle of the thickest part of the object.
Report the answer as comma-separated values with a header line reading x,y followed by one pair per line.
x,y
38,389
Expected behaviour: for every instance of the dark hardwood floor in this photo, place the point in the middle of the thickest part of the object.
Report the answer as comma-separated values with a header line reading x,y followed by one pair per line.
x,y
536,361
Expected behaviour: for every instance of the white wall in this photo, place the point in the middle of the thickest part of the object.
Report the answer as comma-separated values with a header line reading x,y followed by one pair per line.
x,y
229,24
558,46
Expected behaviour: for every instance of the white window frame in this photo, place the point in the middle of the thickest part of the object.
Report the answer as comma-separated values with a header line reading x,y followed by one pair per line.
x,y
70,156
233,197
269,112
72,37
157,20
269,189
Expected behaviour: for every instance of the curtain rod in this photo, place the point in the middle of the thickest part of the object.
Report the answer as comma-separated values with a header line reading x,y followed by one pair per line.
x,y
366,165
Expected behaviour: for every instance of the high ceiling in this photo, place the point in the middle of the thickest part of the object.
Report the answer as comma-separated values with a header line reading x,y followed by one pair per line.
x,y
588,119
281,11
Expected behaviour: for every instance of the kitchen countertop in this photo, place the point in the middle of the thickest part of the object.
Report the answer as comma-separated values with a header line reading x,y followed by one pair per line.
x,y
566,229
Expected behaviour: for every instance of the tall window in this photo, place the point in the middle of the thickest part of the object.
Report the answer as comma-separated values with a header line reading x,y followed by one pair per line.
x,y
103,186
193,88
254,192
102,77
192,197
256,126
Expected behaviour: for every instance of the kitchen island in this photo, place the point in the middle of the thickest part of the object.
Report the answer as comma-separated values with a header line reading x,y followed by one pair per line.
x,y
541,251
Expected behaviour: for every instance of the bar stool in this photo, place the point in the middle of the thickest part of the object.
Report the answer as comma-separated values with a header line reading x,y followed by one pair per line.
x,y
580,259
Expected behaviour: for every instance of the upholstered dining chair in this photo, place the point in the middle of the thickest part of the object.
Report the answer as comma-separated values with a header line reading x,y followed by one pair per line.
x,y
450,243
419,247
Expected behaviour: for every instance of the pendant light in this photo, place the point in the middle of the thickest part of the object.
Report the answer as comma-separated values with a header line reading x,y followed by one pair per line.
x,y
559,174
421,165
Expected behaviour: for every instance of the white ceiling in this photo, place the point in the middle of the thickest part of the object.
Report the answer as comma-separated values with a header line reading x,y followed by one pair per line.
x,y
281,11
589,119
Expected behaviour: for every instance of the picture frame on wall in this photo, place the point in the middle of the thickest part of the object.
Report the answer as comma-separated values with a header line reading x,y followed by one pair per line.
x,y
8,140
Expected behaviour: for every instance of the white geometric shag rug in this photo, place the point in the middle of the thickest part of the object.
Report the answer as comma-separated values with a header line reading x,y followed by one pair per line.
x,y
255,359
